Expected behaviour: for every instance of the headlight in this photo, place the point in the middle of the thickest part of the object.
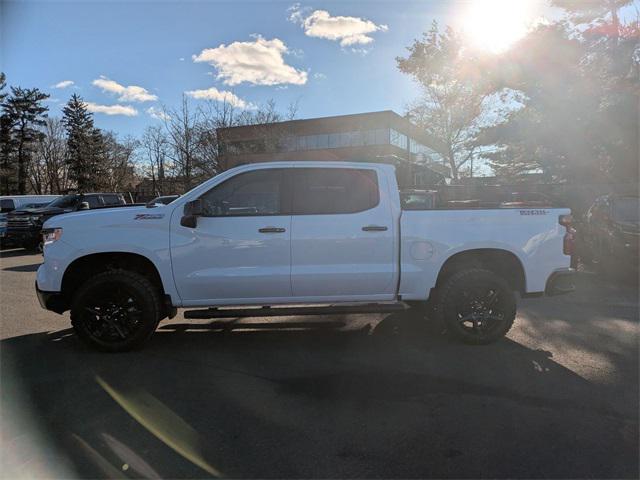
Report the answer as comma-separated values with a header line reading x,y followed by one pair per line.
x,y
50,235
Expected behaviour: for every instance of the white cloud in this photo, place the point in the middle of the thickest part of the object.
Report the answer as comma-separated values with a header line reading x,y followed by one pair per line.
x,y
349,31
63,84
219,96
158,113
260,62
131,93
125,110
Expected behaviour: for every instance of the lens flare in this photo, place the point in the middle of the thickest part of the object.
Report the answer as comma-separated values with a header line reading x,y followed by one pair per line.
x,y
494,25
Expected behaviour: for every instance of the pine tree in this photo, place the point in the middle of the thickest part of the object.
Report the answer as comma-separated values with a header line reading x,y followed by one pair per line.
x,y
81,143
5,144
25,114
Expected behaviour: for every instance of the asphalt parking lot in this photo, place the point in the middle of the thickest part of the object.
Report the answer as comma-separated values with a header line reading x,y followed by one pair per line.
x,y
358,396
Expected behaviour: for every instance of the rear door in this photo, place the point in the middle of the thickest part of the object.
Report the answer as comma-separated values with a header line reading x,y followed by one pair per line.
x,y
342,235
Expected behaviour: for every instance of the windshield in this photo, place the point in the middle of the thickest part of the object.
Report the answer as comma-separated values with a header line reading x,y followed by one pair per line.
x,y
626,209
34,205
68,201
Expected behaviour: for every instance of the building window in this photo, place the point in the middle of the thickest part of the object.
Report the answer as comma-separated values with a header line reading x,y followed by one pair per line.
x,y
398,139
334,140
382,136
323,141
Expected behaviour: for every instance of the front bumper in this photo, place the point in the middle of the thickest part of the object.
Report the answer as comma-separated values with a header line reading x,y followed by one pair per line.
x,y
53,301
23,237
561,282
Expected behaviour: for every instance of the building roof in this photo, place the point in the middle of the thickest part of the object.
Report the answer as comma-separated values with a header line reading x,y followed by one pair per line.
x,y
336,124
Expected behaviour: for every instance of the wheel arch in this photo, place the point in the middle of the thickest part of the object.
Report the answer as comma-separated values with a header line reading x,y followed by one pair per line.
x,y
500,261
88,265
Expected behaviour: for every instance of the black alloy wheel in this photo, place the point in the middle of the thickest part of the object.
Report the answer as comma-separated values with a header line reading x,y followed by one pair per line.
x,y
477,306
116,310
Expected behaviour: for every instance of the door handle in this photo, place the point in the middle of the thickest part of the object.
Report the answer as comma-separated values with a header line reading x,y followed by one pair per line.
x,y
374,228
272,230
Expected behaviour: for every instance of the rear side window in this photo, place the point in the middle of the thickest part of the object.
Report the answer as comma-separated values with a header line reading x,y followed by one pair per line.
x,y
93,201
112,200
333,190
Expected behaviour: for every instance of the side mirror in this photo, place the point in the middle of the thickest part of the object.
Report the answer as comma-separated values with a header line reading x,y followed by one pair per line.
x,y
84,206
192,210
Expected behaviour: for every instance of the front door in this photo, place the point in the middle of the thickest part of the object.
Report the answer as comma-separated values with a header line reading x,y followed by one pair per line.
x,y
240,250
342,236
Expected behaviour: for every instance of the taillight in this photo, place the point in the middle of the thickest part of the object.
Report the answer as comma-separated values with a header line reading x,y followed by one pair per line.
x,y
569,239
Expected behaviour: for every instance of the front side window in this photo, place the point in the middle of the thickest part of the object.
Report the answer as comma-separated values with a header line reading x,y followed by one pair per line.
x,y
247,194
333,190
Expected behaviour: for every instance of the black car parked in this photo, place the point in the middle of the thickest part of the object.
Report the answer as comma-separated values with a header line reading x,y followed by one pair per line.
x,y
611,232
24,225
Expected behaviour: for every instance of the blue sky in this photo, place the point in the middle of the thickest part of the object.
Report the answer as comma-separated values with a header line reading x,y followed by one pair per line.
x,y
105,47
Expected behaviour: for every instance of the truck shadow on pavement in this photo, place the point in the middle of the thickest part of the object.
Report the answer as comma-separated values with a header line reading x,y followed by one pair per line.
x,y
23,268
299,398
19,252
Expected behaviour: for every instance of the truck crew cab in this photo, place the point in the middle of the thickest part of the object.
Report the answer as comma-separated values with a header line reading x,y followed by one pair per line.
x,y
291,236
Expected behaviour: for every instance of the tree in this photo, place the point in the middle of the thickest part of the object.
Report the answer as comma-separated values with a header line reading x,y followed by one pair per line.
x,y
117,163
181,125
456,94
580,93
24,114
6,177
588,11
155,146
49,171
83,144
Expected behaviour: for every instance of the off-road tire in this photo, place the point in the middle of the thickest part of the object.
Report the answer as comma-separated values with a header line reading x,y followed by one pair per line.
x,y
136,286
447,305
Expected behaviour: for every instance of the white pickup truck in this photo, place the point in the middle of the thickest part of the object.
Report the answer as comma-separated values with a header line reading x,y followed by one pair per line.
x,y
289,238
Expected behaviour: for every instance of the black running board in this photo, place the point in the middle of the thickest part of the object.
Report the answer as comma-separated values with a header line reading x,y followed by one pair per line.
x,y
295,310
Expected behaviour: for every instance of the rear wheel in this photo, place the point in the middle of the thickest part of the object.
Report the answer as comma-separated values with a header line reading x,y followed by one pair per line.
x,y
476,306
116,310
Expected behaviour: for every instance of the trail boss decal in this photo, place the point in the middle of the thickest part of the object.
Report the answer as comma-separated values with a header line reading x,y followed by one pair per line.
x,y
534,212
149,216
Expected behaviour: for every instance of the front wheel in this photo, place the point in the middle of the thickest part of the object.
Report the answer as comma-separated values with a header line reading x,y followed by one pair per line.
x,y
116,310
476,306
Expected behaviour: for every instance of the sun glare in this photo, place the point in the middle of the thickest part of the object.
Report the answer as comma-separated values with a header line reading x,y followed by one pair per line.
x,y
494,25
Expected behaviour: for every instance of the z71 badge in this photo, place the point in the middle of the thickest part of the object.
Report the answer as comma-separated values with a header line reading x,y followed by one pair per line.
x,y
534,212
149,216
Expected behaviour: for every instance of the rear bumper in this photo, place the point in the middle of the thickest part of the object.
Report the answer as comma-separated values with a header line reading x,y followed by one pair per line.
x,y
561,282
53,301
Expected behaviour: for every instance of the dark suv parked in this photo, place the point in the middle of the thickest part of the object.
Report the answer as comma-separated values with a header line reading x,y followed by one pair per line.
x,y
24,225
611,231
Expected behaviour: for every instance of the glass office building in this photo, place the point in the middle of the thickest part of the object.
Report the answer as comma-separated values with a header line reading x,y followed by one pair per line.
x,y
374,137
